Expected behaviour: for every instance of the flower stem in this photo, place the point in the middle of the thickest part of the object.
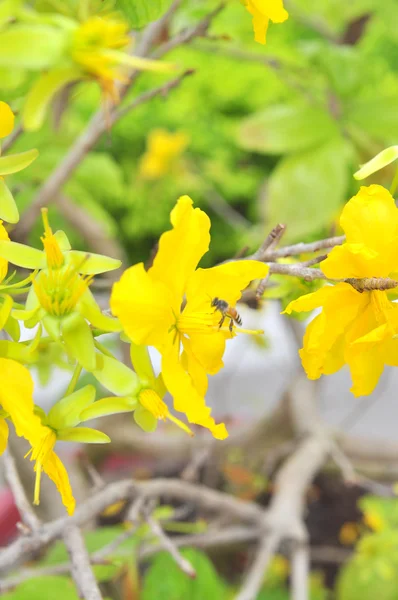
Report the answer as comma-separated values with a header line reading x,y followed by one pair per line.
x,y
72,384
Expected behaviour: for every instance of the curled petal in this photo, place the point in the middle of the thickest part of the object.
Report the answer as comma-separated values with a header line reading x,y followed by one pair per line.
x,y
186,397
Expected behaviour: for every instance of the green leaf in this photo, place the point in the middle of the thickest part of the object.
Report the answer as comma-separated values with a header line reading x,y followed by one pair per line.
x,y
373,570
145,419
140,12
79,341
16,162
306,190
84,435
22,255
44,588
164,579
95,263
116,377
8,208
66,412
108,406
286,128
362,111
33,47
41,94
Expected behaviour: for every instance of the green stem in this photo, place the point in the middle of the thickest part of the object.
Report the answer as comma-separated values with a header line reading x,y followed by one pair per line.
x,y
103,349
394,184
72,384
141,362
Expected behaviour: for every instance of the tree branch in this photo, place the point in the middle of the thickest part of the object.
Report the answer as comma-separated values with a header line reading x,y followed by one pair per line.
x,y
28,516
81,570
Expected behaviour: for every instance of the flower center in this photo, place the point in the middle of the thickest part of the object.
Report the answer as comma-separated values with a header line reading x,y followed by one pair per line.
x,y
150,400
153,403
59,290
55,258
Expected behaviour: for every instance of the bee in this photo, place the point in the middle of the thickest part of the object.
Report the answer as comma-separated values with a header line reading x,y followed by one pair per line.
x,y
227,311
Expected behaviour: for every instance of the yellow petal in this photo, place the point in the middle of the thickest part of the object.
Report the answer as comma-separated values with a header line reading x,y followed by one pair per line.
x,y
195,369
181,248
366,366
355,260
225,281
260,22
3,435
58,474
310,301
144,306
207,349
6,120
16,397
186,397
371,218
272,8
324,333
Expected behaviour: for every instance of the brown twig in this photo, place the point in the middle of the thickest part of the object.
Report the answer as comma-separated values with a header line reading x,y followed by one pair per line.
x,y
81,570
206,499
168,545
28,516
11,139
303,248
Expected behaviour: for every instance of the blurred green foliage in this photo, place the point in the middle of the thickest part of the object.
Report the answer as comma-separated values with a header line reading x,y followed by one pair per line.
x,y
372,572
275,133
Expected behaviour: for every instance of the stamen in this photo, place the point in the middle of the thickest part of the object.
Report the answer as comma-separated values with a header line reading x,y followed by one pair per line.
x,y
150,400
55,258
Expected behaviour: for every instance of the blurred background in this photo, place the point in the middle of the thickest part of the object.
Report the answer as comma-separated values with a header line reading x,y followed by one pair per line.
x,y
256,136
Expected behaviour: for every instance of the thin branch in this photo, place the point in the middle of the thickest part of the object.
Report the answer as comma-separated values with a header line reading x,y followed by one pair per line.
x,y
162,90
255,577
204,498
81,570
296,270
299,574
270,241
28,516
11,139
168,545
303,248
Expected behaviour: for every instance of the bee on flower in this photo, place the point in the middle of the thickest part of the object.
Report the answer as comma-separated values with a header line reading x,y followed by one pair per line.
x,y
152,310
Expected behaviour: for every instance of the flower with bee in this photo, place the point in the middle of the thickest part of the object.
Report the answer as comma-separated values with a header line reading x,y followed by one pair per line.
x,y
171,307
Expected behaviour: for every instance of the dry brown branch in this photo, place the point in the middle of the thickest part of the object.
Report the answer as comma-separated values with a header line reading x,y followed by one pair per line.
x,y
81,570
11,139
303,248
167,544
206,499
28,516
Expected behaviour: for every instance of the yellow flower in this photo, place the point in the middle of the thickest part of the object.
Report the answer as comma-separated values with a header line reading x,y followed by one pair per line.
x,y
262,12
190,339
356,328
9,165
6,120
43,439
16,400
99,48
60,297
163,150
